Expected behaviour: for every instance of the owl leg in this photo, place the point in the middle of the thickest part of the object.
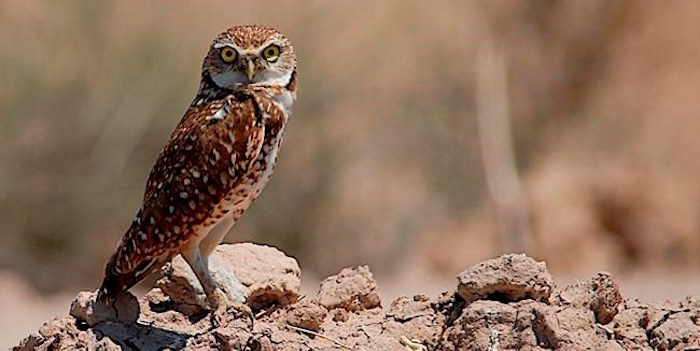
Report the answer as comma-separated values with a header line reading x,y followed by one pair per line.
x,y
216,298
215,236
199,266
225,277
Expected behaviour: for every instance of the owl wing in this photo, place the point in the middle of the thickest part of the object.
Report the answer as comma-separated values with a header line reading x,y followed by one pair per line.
x,y
208,154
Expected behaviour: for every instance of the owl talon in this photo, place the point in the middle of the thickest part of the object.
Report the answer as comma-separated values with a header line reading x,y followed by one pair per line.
x,y
220,304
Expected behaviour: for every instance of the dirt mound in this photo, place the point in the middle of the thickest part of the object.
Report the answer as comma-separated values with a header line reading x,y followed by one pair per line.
x,y
507,303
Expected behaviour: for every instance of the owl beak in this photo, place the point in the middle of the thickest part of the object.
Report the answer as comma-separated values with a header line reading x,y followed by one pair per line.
x,y
250,69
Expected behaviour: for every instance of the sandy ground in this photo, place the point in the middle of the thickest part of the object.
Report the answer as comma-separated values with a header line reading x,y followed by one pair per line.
x,y
24,310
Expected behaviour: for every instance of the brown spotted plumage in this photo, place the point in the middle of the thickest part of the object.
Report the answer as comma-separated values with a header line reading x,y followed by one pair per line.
x,y
217,160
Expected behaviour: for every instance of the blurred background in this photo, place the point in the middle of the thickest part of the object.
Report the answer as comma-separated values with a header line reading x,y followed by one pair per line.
x,y
427,136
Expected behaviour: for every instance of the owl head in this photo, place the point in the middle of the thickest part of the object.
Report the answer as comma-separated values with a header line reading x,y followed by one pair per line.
x,y
250,55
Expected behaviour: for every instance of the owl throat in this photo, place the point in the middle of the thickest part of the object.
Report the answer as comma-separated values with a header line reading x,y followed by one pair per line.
x,y
209,91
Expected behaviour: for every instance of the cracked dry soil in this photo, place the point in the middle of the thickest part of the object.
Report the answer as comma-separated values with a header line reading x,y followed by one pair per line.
x,y
507,303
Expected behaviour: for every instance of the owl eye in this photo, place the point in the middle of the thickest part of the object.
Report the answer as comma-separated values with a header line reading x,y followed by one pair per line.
x,y
228,54
271,53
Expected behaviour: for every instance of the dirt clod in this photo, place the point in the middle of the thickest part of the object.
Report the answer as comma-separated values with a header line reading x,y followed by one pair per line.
x,y
85,308
352,289
270,276
677,330
508,303
307,315
507,278
606,297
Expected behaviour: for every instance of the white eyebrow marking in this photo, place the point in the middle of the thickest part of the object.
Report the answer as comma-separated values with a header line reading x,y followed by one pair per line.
x,y
224,44
242,51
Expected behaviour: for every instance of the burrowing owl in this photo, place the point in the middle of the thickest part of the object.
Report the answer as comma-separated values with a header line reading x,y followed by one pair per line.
x,y
215,164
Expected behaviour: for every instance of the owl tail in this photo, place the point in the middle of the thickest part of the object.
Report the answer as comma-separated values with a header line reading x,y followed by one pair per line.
x,y
116,283
113,284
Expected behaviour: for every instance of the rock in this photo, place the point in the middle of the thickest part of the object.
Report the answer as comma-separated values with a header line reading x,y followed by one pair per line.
x,y
576,295
260,275
63,334
599,294
85,308
606,297
31,342
629,328
676,330
272,278
415,318
307,315
510,305
507,278
181,285
352,289
405,308
484,325
546,327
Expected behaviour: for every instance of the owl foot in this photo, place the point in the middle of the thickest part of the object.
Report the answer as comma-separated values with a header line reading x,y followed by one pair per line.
x,y
220,305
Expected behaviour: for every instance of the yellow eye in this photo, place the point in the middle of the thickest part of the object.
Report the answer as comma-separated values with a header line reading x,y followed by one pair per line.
x,y
271,53
228,54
